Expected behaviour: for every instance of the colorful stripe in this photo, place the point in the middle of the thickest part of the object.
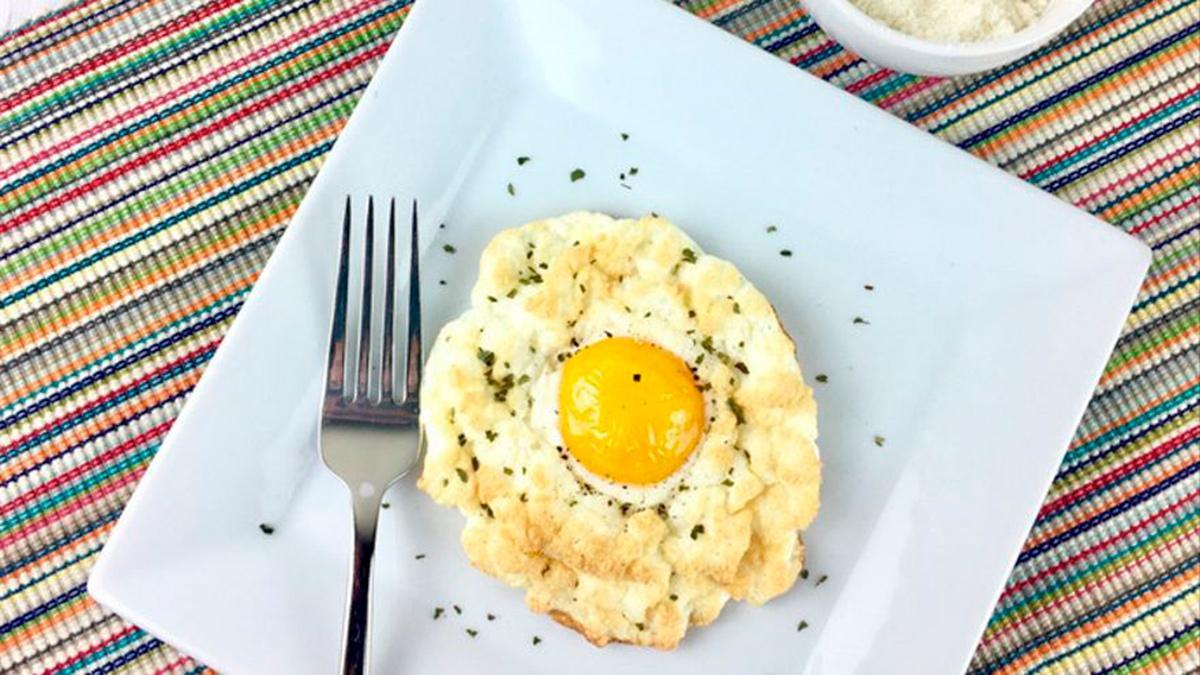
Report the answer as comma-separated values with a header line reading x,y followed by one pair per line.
x,y
152,151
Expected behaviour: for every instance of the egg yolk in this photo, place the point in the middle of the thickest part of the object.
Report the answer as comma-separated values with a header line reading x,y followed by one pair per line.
x,y
629,410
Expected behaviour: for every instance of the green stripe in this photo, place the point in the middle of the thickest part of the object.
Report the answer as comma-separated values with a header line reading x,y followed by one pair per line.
x,y
202,112
1065,584
93,479
183,183
1154,340
1169,404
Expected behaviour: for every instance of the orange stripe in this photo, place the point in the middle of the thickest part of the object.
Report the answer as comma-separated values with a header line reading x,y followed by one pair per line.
x,y
840,61
796,13
114,295
142,330
47,622
1073,105
10,580
1149,354
995,91
1135,412
1080,514
1152,191
716,8
1133,607
105,420
90,30
295,146
239,87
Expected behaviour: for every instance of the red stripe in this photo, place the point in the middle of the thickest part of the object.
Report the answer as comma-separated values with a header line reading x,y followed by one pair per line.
x,y
60,666
172,665
909,92
1129,177
87,408
1165,214
1104,480
1087,589
81,68
98,492
197,134
1168,510
191,86
867,81
1107,134
810,53
63,479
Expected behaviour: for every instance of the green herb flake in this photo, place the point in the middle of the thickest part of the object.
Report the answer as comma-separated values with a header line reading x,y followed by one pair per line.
x,y
492,298
491,435
266,529
738,413
787,253
624,136
474,463
488,358
822,378
801,626
879,440
688,256
697,531
742,367
419,556
457,609
512,191
821,580
522,160
673,597
448,248
462,475
640,625
508,471
522,379
472,632
737,309
633,171
536,640
772,228
859,319
804,574
491,617
437,613
462,440
385,505
727,482
869,287
488,510
577,175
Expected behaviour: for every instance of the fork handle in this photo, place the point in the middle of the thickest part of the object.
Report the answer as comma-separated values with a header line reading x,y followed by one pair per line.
x,y
358,606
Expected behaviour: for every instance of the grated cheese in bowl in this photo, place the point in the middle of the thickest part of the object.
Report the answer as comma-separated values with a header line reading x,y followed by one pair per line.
x,y
954,20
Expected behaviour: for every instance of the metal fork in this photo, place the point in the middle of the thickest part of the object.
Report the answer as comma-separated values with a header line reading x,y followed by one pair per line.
x,y
370,436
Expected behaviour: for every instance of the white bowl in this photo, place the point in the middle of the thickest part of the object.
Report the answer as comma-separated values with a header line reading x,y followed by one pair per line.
x,y
876,41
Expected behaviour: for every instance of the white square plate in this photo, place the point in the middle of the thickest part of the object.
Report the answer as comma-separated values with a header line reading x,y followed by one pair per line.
x,y
994,309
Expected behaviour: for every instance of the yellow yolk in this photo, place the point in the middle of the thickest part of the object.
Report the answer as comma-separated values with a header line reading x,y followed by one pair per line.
x,y
629,411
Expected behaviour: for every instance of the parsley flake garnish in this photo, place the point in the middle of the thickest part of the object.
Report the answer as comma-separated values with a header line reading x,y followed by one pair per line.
x,y
801,626
512,191
536,640
266,529
521,160
437,613
462,475
688,256
787,253
472,632
772,228
577,175
697,531
624,136
859,319
879,440
448,248
822,378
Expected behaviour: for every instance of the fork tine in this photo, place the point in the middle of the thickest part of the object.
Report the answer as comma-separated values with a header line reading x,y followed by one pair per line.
x,y
364,341
335,377
412,370
389,309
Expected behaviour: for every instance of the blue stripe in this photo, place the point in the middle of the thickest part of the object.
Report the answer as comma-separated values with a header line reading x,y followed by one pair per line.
x,y
1118,153
1060,96
1144,495
190,101
142,235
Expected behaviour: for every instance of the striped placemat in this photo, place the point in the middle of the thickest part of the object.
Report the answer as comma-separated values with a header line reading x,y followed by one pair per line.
x,y
152,151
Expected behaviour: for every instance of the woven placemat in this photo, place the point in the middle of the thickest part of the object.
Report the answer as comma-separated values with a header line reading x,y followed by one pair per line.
x,y
151,153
